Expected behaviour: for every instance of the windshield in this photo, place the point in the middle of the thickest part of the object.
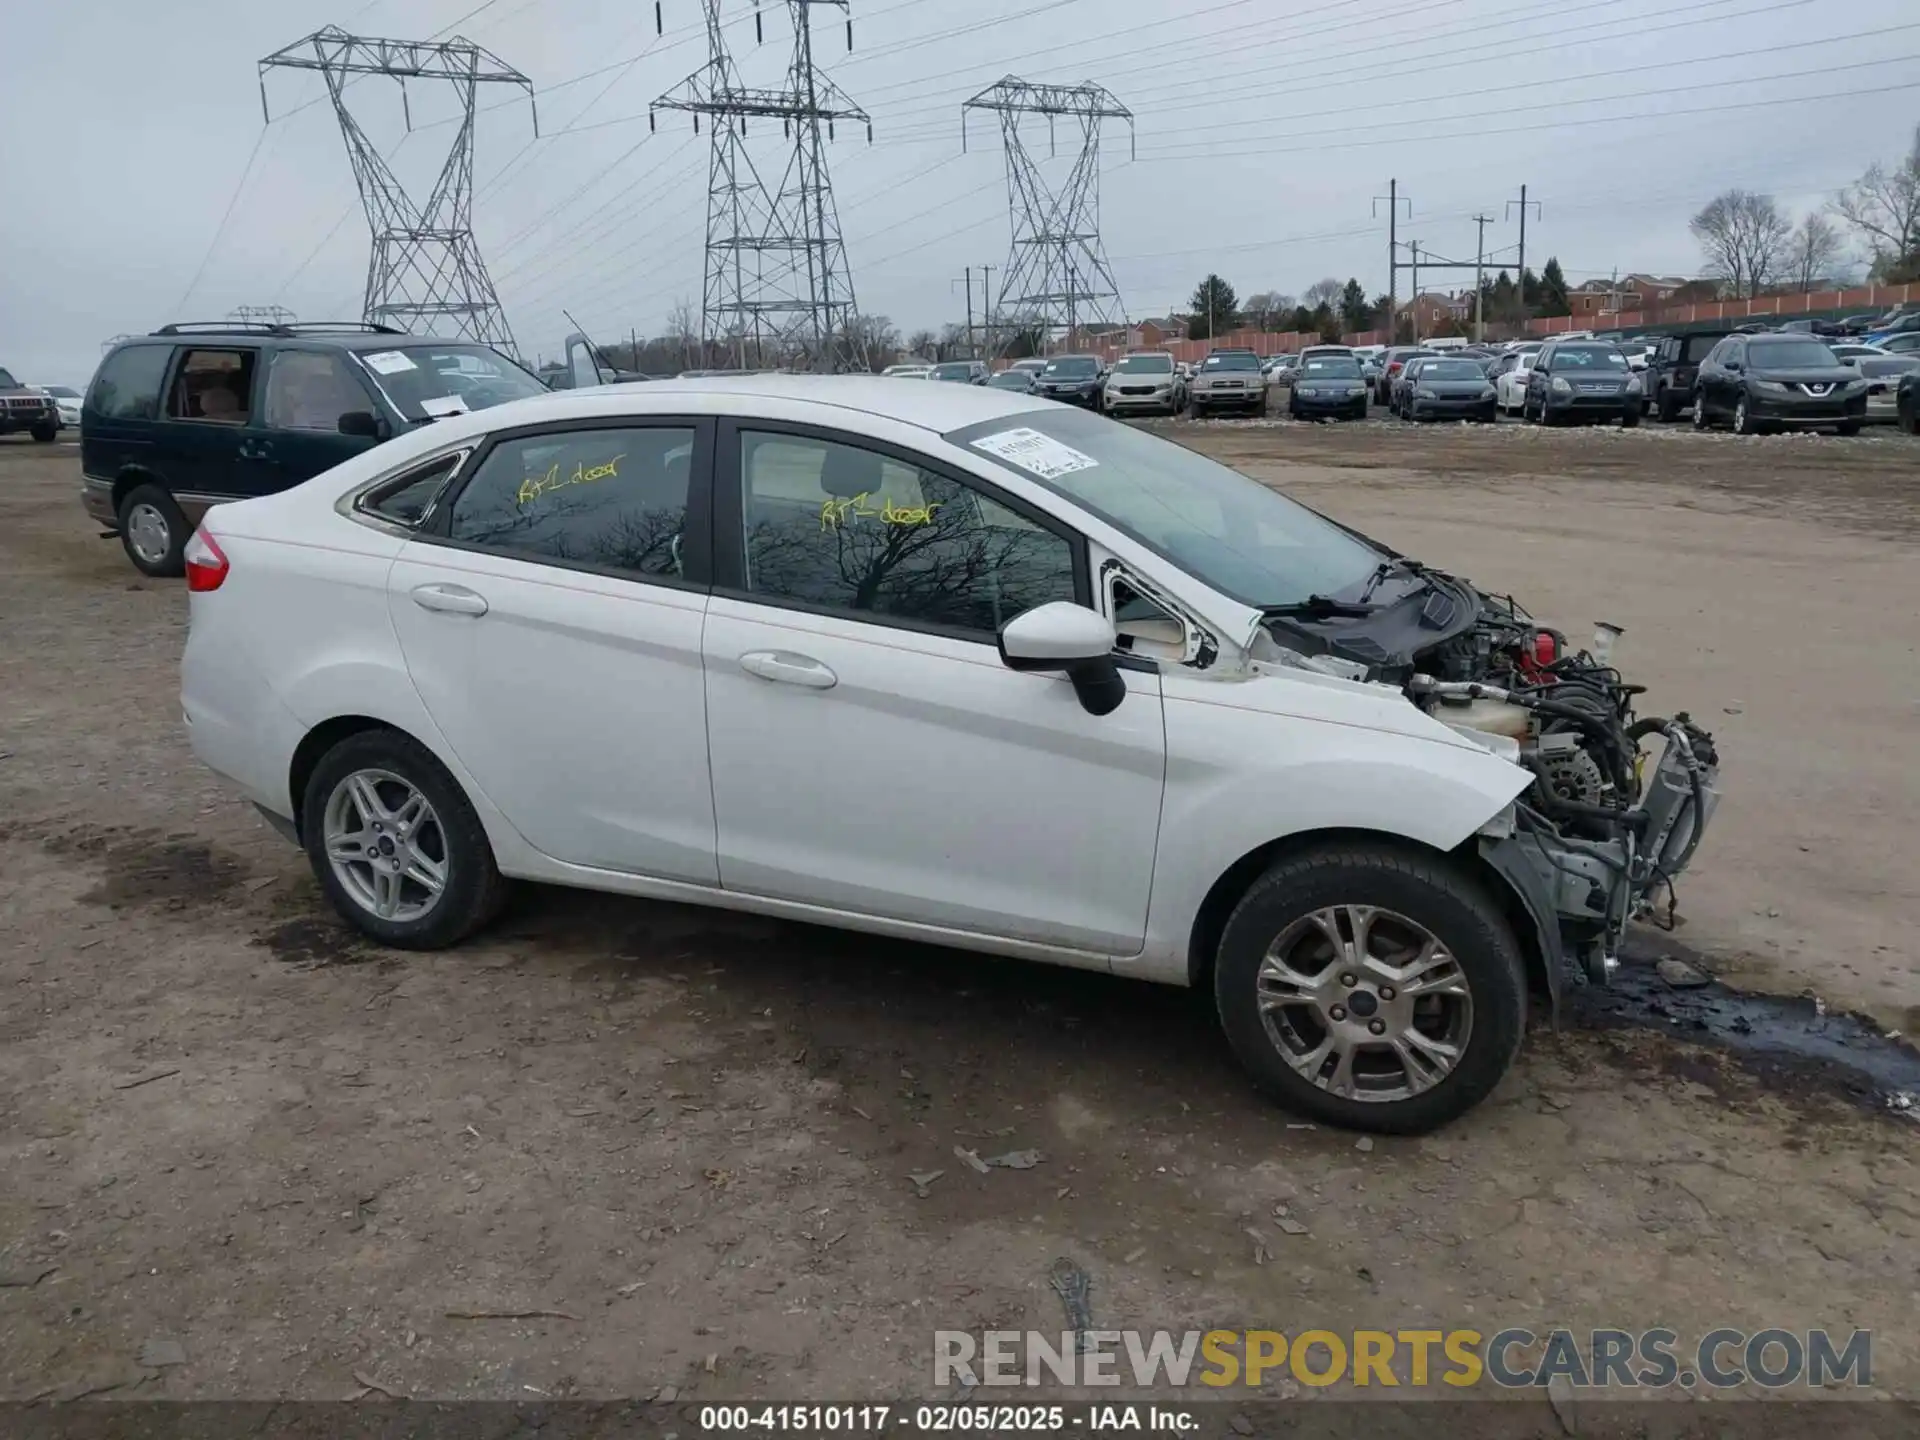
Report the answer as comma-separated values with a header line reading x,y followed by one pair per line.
x,y
1879,366
1146,365
1073,367
1451,370
1793,355
427,380
63,392
1012,380
1233,360
962,370
1589,357
7,382
1227,531
1329,367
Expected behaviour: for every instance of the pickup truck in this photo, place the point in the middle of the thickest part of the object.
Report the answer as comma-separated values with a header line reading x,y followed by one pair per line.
x,y
24,409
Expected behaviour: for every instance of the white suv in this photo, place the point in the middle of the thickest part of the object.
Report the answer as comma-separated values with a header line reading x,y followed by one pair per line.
x,y
1145,381
946,663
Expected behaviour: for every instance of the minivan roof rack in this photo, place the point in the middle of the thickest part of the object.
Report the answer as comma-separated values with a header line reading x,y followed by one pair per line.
x,y
257,327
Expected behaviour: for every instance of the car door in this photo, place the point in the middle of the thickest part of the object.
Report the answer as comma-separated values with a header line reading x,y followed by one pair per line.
x,y
211,419
871,754
550,613
307,390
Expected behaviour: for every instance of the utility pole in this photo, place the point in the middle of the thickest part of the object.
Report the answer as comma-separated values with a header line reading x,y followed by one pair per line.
x,y
986,307
1524,204
1392,197
1413,299
1480,279
967,280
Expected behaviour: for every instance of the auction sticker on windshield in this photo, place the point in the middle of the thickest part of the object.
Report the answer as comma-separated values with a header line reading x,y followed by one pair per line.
x,y
389,362
1035,453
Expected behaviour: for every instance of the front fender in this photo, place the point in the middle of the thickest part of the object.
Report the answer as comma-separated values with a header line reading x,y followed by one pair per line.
x,y
1241,779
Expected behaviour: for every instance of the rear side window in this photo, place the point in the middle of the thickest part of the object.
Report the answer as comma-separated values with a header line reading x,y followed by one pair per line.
x,y
214,385
128,385
610,499
1699,347
406,499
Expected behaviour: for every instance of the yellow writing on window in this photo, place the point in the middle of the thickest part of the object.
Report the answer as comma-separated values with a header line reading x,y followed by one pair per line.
x,y
836,513
534,486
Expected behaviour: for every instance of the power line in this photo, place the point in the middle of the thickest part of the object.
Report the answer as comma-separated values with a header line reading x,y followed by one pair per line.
x,y
225,215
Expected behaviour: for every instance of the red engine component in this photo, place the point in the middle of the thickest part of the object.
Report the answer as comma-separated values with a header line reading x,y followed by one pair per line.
x,y
1537,653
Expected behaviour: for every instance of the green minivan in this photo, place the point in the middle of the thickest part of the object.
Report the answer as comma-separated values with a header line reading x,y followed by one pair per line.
x,y
193,415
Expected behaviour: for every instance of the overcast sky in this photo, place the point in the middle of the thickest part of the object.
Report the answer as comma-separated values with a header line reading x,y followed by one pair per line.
x,y
1265,128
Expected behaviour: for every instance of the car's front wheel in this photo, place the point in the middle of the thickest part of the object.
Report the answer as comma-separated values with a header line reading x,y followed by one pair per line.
x,y
45,434
396,845
1371,987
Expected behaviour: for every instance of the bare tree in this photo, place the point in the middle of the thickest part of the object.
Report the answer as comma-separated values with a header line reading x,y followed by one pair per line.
x,y
1745,237
1323,292
921,344
1882,207
684,330
1265,308
1813,251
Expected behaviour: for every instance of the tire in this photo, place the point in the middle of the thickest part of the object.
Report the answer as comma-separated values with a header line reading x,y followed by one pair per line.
x,y
1743,421
45,434
1701,420
472,889
1909,422
153,532
1665,408
1847,427
1629,420
1410,895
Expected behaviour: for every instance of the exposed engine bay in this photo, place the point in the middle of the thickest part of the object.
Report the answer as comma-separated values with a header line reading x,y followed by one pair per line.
x,y
1618,802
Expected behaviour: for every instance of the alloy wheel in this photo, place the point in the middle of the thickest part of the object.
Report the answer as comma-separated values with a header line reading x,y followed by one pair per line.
x,y
1365,1003
385,844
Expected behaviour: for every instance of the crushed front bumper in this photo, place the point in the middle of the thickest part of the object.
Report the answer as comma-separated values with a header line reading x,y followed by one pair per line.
x,y
1582,893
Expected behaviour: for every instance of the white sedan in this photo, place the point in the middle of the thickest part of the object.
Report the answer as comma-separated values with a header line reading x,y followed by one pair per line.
x,y
66,400
1509,376
939,662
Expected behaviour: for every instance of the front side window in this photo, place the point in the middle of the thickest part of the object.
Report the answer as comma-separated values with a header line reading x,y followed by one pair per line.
x,y
607,498
214,385
836,525
311,390
128,385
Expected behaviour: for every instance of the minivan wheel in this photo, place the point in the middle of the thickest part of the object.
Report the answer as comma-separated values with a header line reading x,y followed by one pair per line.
x,y
396,845
153,532
1371,987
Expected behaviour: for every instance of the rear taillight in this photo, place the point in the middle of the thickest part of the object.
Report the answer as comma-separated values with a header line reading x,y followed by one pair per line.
x,y
206,562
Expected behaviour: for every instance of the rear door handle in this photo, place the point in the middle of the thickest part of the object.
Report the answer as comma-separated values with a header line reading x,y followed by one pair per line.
x,y
450,599
783,667
256,450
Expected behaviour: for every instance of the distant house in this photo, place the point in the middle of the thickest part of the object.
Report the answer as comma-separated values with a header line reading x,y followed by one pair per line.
x,y
1653,290
1096,337
1153,333
1431,310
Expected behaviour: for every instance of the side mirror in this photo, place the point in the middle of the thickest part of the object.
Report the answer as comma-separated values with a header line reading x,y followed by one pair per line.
x,y
365,424
1732,367
1071,639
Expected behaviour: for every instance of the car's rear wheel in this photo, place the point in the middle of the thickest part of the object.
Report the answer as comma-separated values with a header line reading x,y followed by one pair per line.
x,y
396,845
1630,419
153,532
1371,987
1665,408
1910,422
44,433
1848,427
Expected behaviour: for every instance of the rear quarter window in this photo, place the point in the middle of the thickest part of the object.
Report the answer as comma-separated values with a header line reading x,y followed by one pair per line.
x,y
128,385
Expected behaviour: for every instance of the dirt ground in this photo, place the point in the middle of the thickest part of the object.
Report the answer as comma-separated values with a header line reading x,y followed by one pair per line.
x,y
686,1137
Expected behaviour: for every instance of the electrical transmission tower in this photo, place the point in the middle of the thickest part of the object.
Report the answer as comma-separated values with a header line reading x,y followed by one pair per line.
x,y
777,285
424,273
261,315
1056,275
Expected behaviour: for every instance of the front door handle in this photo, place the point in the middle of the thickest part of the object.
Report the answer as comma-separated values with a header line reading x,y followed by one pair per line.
x,y
450,599
783,667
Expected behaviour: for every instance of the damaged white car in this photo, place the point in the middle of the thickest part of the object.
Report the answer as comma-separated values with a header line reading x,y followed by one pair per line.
x,y
955,665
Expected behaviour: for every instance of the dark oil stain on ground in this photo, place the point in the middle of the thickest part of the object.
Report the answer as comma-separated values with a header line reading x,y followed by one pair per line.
x,y
315,942
141,868
1784,1039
